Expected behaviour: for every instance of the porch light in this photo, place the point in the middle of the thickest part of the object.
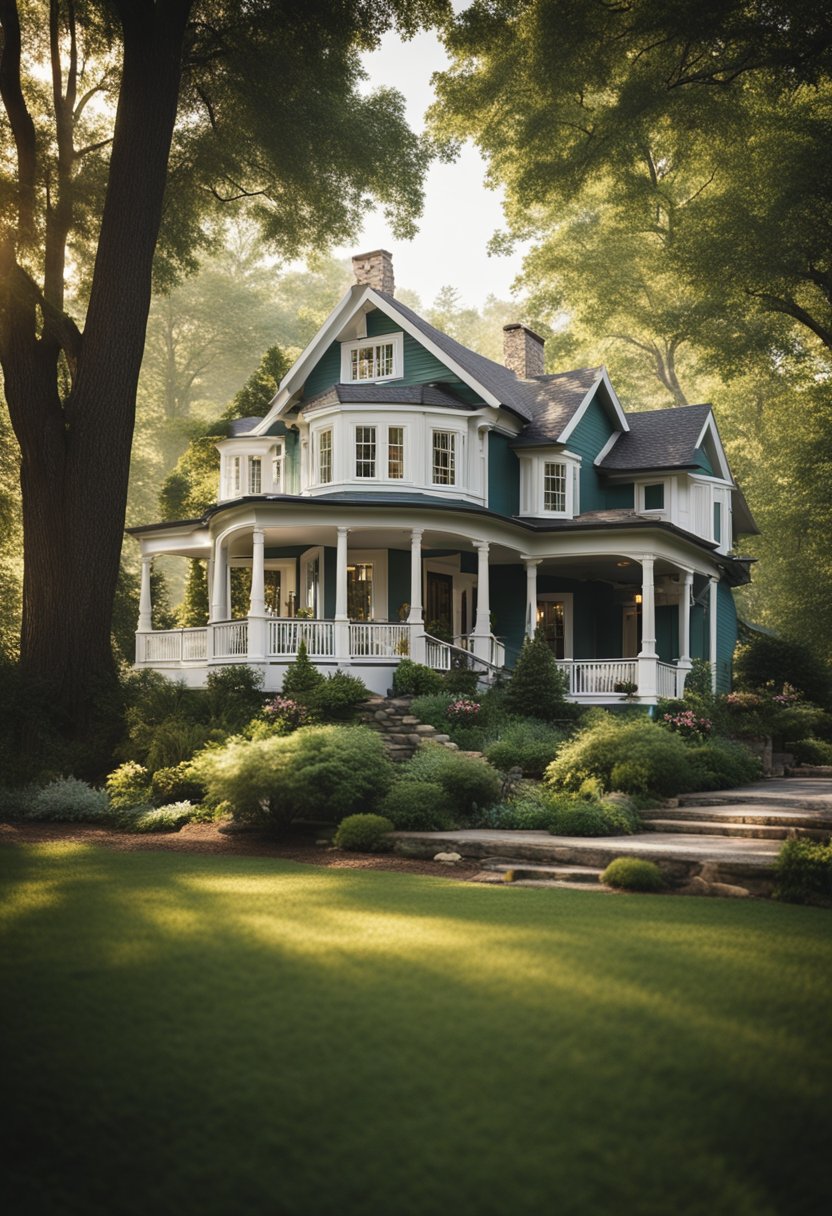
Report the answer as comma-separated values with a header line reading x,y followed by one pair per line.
x,y
636,599
622,565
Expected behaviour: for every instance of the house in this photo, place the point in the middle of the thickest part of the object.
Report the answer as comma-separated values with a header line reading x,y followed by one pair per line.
x,y
405,496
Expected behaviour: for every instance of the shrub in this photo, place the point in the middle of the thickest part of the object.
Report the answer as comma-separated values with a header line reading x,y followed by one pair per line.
x,y
317,772
233,695
417,806
338,697
16,803
460,680
463,710
804,872
720,764
811,751
577,817
301,680
415,680
168,818
658,762
68,800
538,687
128,785
528,810
688,724
363,834
468,783
284,714
699,682
527,743
633,874
433,708
763,661
175,741
176,784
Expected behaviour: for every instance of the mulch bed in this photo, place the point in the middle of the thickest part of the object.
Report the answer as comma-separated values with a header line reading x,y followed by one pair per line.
x,y
215,838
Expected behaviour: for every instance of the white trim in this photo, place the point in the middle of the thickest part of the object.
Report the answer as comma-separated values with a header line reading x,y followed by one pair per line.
x,y
587,401
710,425
607,448
378,559
396,340
316,551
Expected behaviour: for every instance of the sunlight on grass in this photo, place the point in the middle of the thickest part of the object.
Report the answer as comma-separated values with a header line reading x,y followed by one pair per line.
x,y
255,1035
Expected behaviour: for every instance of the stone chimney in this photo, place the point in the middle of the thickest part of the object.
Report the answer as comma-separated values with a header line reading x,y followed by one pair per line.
x,y
522,351
375,269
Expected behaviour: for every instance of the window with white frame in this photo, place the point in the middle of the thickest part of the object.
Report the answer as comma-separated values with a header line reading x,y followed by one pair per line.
x,y
234,475
277,468
554,486
365,451
443,469
325,456
255,475
372,359
395,453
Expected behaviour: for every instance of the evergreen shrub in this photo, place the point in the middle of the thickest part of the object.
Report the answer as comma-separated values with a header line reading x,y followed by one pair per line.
x,y
338,697
645,756
128,785
233,695
319,772
811,751
68,800
168,818
301,679
720,764
469,784
526,743
633,874
415,680
580,817
461,680
538,687
176,784
417,806
763,662
364,834
804,872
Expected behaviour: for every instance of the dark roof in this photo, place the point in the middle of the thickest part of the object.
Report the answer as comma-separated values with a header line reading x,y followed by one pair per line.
x,y
658,439
502,383
392,394
242,426
554,400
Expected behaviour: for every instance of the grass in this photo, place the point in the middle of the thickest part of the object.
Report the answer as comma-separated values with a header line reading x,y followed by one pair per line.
x,y
194,1034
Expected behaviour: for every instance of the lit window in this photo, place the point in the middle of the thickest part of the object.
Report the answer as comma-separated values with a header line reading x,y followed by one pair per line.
x,y
371,362
365,451
325,457
444,458
395,453
255,475
554,487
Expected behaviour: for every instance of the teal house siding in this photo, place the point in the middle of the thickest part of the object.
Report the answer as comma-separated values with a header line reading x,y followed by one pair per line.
x,y
503,476
507,591
398,581
325,373
291,468
620,496
330,569
726,636
667,632
704,462
586,441
698,632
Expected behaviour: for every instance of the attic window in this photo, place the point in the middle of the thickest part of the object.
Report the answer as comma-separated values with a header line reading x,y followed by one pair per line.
x,y
554,487
370,360
654,497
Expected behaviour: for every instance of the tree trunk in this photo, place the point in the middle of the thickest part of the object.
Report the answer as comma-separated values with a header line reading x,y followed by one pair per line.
x,y
75,456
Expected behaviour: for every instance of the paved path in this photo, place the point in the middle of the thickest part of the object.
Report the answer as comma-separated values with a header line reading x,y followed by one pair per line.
x,y
811,793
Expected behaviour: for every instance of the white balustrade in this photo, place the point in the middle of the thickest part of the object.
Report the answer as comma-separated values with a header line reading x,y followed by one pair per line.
x,y
379,639
287,633
437,654
194,645
667,680
230,640
162,647
593,677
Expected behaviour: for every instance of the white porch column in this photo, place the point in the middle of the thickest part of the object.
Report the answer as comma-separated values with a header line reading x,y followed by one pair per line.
x,y
257,598
531,565
145,601
342,621
219,610
684,663
481,637
712,624
647,659
415,617
209,583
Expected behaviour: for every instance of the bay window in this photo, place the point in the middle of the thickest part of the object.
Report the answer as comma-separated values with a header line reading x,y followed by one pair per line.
x,y
443,468
365,451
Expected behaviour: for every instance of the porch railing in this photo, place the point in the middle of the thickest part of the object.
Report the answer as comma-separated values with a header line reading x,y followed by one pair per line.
x,y
230,640
173,646
379,640
594,677
286,635
670,680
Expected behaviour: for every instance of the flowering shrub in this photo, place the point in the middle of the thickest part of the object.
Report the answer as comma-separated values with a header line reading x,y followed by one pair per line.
x,y
689,724
287,710
463,710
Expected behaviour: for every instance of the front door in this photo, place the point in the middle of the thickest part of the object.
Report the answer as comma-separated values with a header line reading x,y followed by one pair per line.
x,y
439,617
551,622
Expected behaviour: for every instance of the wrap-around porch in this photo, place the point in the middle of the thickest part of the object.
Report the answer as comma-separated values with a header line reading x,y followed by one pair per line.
x,y
342,601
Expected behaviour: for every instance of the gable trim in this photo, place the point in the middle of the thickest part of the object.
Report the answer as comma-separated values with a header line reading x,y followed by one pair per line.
x,y
710,427
618,412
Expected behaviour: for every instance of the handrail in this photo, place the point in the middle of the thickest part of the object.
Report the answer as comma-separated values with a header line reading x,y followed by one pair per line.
x,y
467,655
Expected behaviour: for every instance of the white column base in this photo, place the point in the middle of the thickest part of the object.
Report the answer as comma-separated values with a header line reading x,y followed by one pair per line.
x,y
648,676
257,629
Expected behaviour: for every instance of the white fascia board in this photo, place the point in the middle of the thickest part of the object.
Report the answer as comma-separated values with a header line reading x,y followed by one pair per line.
x,y
618,412
607,448
722,460
344,311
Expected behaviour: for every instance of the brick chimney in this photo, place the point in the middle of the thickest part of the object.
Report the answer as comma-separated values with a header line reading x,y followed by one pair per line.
x,y
375,269
522,351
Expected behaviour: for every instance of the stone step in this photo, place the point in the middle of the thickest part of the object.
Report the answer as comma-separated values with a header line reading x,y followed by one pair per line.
x,y
743,813
777,798
740,831
530,870
495,878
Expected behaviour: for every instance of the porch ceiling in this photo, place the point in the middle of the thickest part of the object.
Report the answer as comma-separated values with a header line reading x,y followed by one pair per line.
x,y
374,537
606,569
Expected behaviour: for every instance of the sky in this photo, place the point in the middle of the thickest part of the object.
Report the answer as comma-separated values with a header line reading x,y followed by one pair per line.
x,y
461,214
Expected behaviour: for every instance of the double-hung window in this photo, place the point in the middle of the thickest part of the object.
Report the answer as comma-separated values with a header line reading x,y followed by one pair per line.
x,y
395,453
370,359
554,486
365,451
255,475
277,469
325,456
443,471
234,476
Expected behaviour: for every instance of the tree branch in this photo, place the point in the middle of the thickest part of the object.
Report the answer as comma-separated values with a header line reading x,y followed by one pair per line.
x,y
792,309
20,120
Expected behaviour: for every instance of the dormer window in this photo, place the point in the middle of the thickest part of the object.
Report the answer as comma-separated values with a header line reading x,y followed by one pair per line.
x,y
369,360
554,487
654,496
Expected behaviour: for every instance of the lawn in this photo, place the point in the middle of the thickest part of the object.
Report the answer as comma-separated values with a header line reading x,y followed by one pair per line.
x,y
195,1034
